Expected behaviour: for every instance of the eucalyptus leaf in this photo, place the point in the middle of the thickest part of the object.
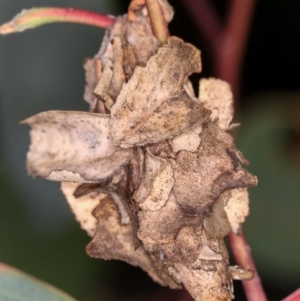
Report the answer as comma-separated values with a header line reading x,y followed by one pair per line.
x,y
19,286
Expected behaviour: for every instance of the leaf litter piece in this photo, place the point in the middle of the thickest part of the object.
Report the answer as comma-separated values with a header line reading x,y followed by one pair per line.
x,y
216,95
165,183
83,207
116,241
152,106
73,146
156,184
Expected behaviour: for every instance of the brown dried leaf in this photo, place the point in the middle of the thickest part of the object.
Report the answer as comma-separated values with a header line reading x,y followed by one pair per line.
x,y
216,95
201,177
152,106
161,226
114,240
73,146
206,277
83,207
125,37
210,285
156,184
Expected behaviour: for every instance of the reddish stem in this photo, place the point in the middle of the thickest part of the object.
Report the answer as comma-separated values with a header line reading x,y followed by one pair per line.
x,y
204,18
230,47
184,296
295,296
242,253
43,15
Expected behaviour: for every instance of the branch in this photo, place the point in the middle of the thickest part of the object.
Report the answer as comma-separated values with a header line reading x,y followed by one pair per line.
x,y
242,253
295,296
229,49
205,19
39,16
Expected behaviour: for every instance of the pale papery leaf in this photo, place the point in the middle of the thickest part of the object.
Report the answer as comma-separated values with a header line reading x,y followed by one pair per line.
x,y
189,141
237,208
216,95
82,207
73,146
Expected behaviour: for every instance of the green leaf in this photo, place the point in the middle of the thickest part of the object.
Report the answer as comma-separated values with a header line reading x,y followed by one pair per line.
x,y
18,286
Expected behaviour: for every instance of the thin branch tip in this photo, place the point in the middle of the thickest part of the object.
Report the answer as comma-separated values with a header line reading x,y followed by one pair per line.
x,y
35,17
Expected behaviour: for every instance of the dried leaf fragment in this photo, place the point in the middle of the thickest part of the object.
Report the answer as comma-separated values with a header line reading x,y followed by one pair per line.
x,y
73,146
156,184
114,240
189,141
201,177
83,207
152,106
237,207
216,95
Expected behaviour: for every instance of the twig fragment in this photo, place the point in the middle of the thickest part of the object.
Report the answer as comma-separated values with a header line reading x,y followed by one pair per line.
x,y
295,296
158,21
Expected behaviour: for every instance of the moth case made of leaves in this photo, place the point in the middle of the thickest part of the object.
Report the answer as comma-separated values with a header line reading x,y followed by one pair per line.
x,y
150,172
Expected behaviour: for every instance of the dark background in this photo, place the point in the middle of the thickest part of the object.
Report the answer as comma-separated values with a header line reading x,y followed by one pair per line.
x,y
41,70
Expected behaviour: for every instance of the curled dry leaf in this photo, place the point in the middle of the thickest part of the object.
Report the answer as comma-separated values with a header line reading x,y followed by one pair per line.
x,y
73,146
159,182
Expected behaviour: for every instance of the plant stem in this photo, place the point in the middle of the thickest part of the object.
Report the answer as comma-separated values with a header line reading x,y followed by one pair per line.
x,y
205,19
229,48
242,253
39,16
158,21
295,296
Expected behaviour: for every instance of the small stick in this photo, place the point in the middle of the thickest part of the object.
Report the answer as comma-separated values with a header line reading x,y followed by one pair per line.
x,y
242,253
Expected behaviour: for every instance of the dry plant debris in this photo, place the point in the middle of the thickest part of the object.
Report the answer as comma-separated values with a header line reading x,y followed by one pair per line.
x,y
150,172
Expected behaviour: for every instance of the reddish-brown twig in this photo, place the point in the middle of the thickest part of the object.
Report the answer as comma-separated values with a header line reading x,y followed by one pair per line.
x,y
205,19
242,253
229,48
227,42
295,296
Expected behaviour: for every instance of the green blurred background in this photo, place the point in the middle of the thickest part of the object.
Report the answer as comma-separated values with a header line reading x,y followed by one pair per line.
x,y
42,70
